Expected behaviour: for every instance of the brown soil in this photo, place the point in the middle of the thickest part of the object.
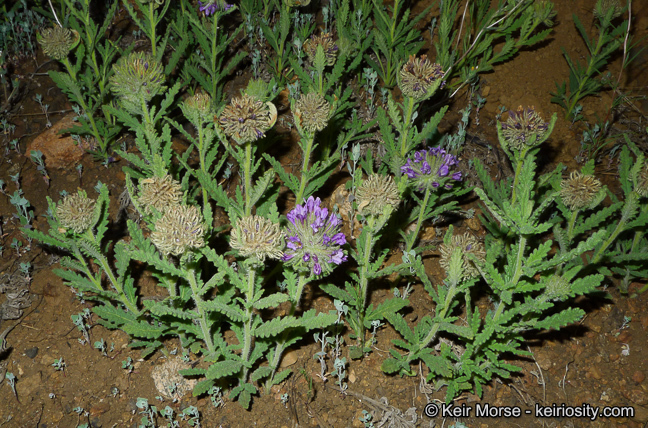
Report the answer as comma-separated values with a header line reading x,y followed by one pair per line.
x,y
599,362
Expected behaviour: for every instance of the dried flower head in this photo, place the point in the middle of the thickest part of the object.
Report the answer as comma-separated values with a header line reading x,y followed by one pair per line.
x,y
137,79
246,119
420,77
57,42
377,193
468,244
179,229
603,7
521,128
641,186
325,40
198,108
255,236
579,191
76,212
159,193
313,112
314,239
431,169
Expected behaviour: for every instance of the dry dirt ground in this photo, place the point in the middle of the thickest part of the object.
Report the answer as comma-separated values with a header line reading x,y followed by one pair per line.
x,y
599,362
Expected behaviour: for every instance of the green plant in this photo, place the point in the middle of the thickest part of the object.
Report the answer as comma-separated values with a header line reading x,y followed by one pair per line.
x,y
528,276
588,79
86,78
467,52
394,40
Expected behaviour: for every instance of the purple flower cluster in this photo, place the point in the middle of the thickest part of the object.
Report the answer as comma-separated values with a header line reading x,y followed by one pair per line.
x,y
314,239
431,169
211,6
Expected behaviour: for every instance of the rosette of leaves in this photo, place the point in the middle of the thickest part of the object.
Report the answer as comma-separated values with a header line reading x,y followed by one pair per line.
x,y
137,79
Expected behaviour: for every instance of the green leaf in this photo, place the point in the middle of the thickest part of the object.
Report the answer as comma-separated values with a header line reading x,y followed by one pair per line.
x,y
275,326
389,306
399,323
391,365
217,304
202,387
144,329
281,376
271,301
223,369
260,373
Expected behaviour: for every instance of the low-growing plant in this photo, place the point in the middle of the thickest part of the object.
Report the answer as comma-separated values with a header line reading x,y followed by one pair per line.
x,y
589,79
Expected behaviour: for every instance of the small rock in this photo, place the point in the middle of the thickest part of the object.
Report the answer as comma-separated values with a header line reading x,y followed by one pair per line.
x,y
644,322
99,409
625,337
352,377
28,385
638,376
31,352
637,396
60,151
486,91
544,361
595,372
289,359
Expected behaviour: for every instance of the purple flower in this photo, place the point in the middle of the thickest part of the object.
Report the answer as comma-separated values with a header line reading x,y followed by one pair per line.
x,y
211,6
430,169
313,235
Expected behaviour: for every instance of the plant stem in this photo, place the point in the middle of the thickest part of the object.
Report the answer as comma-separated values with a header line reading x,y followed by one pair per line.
x,y
572,223
304,173
247,329
248,177
431,336
420,220
364,281
592,65
281,343
103,262
204,325
518,169
404,133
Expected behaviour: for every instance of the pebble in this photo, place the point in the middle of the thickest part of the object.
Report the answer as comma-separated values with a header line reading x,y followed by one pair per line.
x,y
99,409
31,352
638,376
60,151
